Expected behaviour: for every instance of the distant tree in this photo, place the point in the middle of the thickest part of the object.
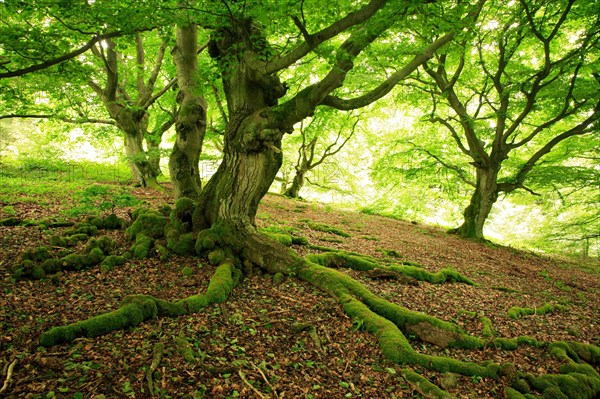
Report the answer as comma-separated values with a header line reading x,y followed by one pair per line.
x,y
526,80
128,92
318,144
58,28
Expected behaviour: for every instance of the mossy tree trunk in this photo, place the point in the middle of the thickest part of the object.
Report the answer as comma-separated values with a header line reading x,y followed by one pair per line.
x,y
191,121
293,191
154,153
131,113
482,200
256,124
142,170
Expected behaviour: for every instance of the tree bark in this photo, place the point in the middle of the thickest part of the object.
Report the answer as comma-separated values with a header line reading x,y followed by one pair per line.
x,y
190,125
142,171
294,190
153,145
482,200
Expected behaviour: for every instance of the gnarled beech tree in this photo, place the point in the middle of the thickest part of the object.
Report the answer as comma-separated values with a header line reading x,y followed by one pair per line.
x,y
220,225
309,160
525,82
131,113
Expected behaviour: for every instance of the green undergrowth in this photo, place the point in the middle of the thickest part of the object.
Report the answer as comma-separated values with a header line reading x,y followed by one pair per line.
x,y
517,312
137,308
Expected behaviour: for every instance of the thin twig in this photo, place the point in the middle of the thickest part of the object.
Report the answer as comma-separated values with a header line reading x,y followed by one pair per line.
x,y
266,379
256,391
8,379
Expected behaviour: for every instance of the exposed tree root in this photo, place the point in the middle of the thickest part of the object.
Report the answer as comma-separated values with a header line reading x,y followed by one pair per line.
x,y
423,386
256,391
137,308
516,312
365,263
157,353
9,374
238,248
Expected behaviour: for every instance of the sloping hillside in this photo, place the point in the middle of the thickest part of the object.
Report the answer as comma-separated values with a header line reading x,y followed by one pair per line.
x,y
281,339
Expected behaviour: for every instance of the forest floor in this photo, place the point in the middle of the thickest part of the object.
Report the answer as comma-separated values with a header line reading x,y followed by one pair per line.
x,y
246,347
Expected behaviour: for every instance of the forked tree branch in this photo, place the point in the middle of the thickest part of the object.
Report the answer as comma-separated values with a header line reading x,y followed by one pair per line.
x,y
62,58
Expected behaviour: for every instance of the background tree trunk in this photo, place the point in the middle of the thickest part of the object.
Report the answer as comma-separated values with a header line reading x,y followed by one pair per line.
x,y
142,171
190,125
294,190
482,200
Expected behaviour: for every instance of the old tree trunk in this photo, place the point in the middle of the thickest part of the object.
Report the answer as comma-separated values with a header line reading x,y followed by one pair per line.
x,y
251,154
481,203
190,125
294,190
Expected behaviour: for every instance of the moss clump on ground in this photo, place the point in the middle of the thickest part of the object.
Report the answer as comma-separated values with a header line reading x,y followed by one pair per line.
x,y
104,243
141,248
38,254
278,278
94,257
58,241
181,244
149,223
326,228
82,228
516,312
187,271
112,222
110,262
72,262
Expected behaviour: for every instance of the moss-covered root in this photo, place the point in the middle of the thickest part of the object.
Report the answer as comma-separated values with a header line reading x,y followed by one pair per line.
x,y
517,312
128,315
365,263
424,386
566,386
137,308
385,321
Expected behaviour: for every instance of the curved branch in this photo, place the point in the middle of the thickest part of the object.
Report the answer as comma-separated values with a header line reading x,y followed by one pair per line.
x,y
60,118
459,171
386,86
581,129
62,58
354,18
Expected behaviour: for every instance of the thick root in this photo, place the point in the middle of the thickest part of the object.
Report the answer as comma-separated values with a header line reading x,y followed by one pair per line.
x,y
365,263
386,320
425,387
138,308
